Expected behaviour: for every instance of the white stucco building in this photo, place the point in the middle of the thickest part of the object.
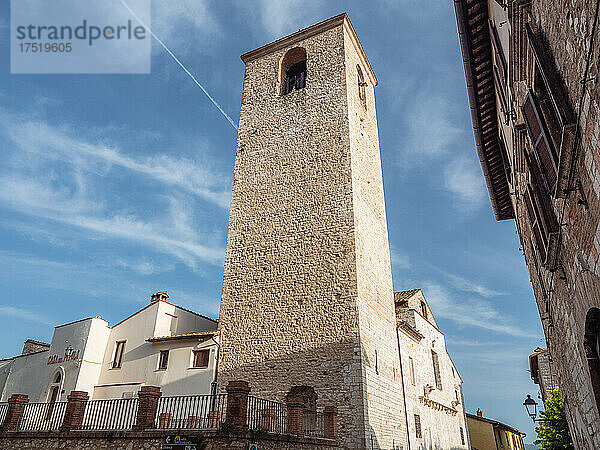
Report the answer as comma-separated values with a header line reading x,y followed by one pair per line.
x,y
160,345
432,386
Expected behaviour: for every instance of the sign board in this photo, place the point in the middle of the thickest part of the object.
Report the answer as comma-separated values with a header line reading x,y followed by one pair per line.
x,y
253,447
180,442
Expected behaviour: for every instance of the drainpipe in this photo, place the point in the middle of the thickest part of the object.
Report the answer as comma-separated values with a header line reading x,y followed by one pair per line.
x,y
214,384
403,390
467,434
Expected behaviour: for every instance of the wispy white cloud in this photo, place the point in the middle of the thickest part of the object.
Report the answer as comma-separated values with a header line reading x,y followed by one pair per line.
x,y
89,279
280,18
144,266
186,24
466,285
399,259
60,204
60,142
431,129
18,313
471,312
464,180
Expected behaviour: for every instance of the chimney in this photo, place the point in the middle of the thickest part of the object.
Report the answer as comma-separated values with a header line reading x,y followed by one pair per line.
x,y
161,296
479,412
32,346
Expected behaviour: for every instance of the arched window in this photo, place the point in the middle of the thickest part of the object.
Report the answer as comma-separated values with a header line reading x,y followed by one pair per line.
x,y
292,70
362,93
592,350
57,377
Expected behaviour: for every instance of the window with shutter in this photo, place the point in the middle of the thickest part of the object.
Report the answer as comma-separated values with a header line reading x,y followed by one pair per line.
x,y
552,107
543,223
544,151
418,432
505,158
499,70
534,221
436,370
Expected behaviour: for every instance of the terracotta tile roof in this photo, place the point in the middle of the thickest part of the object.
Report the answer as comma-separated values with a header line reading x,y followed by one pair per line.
x,y
404,295
175,337
33,341
496,423
476,46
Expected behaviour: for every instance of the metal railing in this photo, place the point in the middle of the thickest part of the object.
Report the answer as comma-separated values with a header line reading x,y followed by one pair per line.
x,y
313,423
267,415
197,412
117,414
42,416
3,410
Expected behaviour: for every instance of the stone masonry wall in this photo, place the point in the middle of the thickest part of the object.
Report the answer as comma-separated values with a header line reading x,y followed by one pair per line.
x,y
565,29
150,440
307,294
385,420
288,308
439,428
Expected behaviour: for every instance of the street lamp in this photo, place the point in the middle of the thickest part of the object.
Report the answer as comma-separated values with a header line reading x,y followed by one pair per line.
x,y
531,407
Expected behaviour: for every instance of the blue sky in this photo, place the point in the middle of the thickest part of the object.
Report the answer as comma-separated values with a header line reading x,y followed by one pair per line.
x,y
116,186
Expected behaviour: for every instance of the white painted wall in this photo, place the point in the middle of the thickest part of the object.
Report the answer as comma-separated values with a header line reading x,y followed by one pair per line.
x,y
91,372
439,429
140,358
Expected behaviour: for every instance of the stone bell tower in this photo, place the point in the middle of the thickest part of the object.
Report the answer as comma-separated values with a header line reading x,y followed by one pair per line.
x,y
307,289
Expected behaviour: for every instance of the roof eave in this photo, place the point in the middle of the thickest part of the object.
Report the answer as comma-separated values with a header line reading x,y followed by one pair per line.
x,y
305,33
461,19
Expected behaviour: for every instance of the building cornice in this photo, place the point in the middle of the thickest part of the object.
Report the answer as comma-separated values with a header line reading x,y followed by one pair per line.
x,y
341,19
410,330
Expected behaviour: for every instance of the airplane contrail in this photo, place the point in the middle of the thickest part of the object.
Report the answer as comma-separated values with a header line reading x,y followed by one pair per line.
x,y
162,44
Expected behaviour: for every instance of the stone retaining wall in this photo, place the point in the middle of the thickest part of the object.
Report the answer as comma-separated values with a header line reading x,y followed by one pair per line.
x,y
152,440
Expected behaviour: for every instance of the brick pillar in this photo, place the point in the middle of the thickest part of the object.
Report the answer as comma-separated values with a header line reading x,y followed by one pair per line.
x,y
237,405
14,414
76,402
330,414
147,405
295,414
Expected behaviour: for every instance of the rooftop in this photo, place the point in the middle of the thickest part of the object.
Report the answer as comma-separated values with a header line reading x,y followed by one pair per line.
x,y
475,43
305,33
178,337
495,423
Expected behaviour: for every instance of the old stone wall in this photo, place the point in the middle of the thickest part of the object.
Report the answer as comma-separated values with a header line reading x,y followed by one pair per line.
x,y
151,440
565,297
307,293
440,427
385,420
288,314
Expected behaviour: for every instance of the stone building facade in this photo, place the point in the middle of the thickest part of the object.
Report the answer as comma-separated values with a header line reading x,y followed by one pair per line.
x,y
307,289
541,367
532,75
432,386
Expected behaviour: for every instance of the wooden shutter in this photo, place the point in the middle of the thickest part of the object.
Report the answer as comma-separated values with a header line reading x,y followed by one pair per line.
x,y
542,145
535,222
550,78
505,159
499,56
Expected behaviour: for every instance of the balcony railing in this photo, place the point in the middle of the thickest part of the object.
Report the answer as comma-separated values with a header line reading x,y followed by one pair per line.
x,y
3,410
313,423
42,416
236,409
117,414
193,412
267,415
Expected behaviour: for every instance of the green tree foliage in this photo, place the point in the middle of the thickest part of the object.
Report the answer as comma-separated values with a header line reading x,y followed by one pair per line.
x,y
553,432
